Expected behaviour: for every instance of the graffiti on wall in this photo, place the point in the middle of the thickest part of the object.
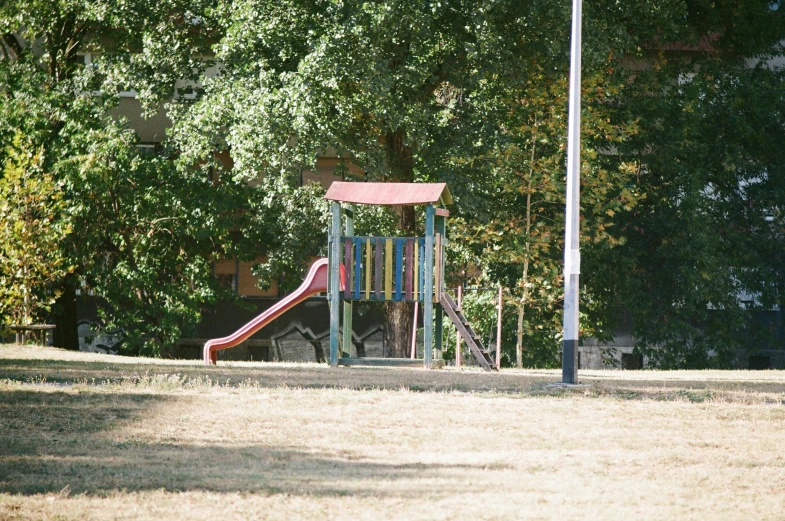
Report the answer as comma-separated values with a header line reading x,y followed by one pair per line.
x,y
94,339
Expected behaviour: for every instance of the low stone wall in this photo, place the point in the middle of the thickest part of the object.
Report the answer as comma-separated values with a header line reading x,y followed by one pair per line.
x,y
616,354
762,359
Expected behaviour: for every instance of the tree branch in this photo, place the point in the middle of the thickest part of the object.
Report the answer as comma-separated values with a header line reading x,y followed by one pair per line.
x,y
10,40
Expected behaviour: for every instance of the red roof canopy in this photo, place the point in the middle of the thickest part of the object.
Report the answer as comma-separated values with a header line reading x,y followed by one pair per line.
x,y
389,193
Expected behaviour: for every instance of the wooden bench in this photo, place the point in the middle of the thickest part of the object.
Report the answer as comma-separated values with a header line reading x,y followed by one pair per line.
x,y
23,332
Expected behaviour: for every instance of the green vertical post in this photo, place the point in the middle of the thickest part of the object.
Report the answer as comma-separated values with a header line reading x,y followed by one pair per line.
x,y
427,315
441,229
346,345
437,335
334,256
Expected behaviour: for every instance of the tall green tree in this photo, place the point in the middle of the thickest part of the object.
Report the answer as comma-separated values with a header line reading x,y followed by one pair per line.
x,y
33,224
519,242
423,91
143,231
704,252
678,141
147,235
396,87
672,103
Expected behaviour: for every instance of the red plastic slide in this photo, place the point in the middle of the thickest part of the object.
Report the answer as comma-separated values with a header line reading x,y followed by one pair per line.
x,y
315,282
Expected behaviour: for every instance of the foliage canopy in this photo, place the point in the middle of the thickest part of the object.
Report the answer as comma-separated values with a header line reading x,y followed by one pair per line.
x,y
681,178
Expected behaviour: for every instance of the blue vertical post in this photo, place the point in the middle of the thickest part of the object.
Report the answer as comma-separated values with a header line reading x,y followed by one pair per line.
x,y
346,346
441,229
334,256
427,315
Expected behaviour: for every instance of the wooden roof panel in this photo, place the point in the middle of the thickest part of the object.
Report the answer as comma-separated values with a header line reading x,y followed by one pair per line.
x,y
389,194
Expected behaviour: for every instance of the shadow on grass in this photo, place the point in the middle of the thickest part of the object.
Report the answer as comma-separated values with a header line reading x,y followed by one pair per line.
x,y
55,440
173,376
271,375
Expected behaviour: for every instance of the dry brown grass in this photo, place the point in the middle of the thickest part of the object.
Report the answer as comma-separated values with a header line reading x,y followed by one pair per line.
x,y
100,437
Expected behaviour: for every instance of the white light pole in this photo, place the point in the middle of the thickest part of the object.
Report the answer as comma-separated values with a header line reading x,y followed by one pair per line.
x,y
572,254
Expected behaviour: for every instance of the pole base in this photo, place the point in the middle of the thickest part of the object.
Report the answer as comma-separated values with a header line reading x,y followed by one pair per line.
x,y
569,362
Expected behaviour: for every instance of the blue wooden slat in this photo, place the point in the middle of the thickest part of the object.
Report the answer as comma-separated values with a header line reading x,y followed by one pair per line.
x,y
377,279
358,267
398,268
368,269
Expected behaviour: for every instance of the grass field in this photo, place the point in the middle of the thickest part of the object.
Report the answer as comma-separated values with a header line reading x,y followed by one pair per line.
x,y
87,436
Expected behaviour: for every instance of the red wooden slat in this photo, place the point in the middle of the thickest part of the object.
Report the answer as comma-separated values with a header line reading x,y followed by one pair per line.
x,y
347,262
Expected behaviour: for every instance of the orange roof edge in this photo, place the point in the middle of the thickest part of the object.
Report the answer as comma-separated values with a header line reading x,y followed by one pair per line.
x,y
389,194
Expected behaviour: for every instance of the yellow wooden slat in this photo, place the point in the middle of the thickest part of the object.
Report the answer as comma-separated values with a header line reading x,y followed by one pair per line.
x,y
388,269
368,268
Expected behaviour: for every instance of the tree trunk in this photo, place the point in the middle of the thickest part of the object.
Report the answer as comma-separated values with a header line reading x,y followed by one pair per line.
x,y
66,334
525,298
398,321
399,316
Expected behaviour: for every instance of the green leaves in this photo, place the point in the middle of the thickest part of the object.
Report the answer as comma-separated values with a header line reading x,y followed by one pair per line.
x,y
147,234
291,225
681,177
702,256
33,227
143,231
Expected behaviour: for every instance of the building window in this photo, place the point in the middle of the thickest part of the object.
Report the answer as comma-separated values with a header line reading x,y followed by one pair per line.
x,y
226,280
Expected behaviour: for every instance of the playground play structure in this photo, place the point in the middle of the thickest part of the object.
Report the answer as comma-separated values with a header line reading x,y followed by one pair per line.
x,y
380,269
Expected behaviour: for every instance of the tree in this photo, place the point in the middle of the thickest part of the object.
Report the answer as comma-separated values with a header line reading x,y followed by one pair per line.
x,y
519,242
143,231
472,93
396,87
703,252
143,44
148,232
290,222
649,175
33,225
